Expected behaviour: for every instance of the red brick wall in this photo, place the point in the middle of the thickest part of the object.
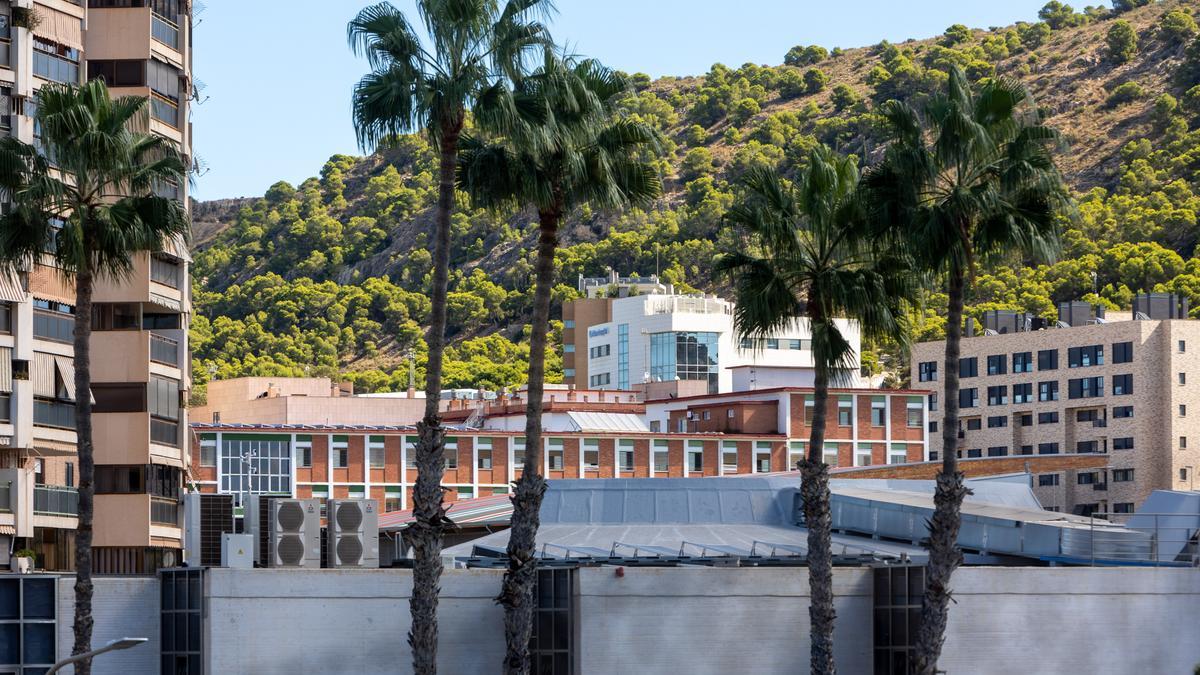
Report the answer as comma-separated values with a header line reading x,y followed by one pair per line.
x,y
900,429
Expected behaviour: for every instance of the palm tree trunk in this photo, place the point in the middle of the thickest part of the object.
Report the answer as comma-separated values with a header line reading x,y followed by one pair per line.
x,y
87,469
814,493
516,593
425,533
944,554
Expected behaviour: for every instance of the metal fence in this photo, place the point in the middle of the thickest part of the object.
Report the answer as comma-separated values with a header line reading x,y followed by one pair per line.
x,y
52,500
1171,539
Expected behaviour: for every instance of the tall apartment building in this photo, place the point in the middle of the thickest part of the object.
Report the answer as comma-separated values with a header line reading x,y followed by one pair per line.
x,y
588,434
639,334
139,348
1115,385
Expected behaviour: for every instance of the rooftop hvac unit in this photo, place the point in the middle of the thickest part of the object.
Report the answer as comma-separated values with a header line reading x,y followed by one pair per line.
x,y
206,517
295,534
352,533
257,523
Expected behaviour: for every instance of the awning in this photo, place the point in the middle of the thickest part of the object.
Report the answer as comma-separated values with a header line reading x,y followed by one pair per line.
x,y
42,373
5,370
177,247
66,370
8,530
11,289
59,27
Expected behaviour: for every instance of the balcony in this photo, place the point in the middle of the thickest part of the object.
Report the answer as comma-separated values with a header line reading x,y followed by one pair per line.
x,y
164,511
164,350
164,111
164,31
54,414
49,500
146,285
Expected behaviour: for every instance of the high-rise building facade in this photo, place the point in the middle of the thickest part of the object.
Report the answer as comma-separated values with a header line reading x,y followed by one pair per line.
x,y
1116,386
139,350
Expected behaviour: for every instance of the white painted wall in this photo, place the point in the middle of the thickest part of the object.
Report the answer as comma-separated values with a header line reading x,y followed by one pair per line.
x,y
1102,621
715,620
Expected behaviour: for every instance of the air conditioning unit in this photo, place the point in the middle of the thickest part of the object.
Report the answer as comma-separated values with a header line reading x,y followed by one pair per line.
x,y
352,533
291,529
207,517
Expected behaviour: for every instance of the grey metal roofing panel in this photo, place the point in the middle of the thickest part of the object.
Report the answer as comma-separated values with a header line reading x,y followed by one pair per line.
x,y
662,500
602,421
672,537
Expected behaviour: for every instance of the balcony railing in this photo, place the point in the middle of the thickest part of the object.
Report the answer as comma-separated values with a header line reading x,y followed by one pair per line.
x,y
164,111
165,272
6,496
164,432
55,326
164,350
58,414
164,511
164,31
49,500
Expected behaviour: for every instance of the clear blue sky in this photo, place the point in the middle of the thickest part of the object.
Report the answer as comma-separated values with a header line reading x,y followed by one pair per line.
x,y
279,73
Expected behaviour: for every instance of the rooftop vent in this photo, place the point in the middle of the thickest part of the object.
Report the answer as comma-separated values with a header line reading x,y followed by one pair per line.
x,y
1078,313
1158,306
1004,321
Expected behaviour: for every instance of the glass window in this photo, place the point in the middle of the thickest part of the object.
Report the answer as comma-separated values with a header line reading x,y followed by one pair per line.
x,y
729,459
1048,480
927,371
685,356
998,395
255,464
968,367
915,413
1048,418
1122,385
661,454
1048,359
878,411
625,455
1022,362
1122,411
1023,392
375,452
1085,387
1048,391
55,62
1122,352
997,364
1083,357
1126,443
845,411
968,398
591,453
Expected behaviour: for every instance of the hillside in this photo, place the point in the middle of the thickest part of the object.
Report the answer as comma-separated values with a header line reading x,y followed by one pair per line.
x,y
330,276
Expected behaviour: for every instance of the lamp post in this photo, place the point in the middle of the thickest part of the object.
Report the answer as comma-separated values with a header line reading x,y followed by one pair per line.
x,y
122,643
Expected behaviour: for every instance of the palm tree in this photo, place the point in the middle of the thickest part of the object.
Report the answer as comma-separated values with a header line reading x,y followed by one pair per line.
x,y
974,177
476,45
95,172
571,151
802,251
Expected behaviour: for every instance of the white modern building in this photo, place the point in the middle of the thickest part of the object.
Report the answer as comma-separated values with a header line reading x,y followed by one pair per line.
x,y
683,345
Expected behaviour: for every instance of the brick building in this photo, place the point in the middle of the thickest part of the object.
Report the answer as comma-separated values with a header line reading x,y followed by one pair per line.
x,y
587,435
1114,386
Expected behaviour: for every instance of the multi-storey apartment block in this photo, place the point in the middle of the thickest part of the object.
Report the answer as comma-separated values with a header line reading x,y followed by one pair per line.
x,y
588,434
639,334
1115,385
139,348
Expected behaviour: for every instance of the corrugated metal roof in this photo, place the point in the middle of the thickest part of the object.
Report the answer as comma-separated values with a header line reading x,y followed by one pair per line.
x,y
601,421
11,289
492,509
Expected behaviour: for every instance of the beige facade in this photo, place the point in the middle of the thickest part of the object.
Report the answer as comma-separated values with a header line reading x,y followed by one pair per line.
x,y
315,400
139,351
1127,390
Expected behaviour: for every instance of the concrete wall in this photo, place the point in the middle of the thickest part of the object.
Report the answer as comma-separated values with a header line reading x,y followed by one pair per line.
x,y
281,622
122,607
714,620
1062,620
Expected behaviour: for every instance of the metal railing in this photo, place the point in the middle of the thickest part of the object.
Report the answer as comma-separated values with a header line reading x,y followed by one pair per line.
x,y
51,500
164,511
164,350
164,31
1169,539
57,414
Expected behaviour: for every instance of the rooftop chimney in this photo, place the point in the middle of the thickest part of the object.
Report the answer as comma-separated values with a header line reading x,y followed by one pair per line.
x,y
1158,306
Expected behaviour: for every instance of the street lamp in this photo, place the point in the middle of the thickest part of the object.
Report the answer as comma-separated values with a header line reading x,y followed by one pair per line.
x,y
122,643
